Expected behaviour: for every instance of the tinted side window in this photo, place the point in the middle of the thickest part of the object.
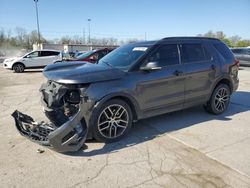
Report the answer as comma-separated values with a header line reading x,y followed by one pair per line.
x,y
165,55
49,53
223,50
193,53
238,51
101,54
248,51
33,54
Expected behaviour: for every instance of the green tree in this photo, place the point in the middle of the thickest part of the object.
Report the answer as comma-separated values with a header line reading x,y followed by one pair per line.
x,y
227,41
243,43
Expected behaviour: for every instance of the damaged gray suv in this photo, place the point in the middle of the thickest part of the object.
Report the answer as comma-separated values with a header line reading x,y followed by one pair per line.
x,y
133,82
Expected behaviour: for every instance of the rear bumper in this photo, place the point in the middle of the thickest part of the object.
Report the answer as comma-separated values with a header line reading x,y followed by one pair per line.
x,y
69,137
235,84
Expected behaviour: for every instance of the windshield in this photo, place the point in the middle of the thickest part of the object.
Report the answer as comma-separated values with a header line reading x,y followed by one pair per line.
x,y
124,57
84,55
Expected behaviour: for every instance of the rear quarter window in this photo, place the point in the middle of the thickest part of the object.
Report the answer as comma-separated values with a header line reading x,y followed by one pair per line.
x,y
223,50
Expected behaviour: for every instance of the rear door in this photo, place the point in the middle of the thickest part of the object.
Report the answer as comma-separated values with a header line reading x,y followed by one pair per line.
x,y
48,57
201,68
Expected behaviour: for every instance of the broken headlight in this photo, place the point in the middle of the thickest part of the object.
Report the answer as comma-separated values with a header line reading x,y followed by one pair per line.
x,y
60,101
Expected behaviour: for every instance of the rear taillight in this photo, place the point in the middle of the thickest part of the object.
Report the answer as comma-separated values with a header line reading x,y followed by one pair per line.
x,y
235,68
237,62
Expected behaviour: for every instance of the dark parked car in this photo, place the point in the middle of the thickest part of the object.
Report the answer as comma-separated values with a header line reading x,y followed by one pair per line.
x,y
133,82
92,56
243,55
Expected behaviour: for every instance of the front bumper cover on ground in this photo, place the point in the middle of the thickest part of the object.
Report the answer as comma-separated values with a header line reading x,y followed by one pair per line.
x,y
69,137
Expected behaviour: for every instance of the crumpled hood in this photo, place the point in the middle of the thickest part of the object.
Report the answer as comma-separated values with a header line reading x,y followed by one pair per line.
x,y
80,73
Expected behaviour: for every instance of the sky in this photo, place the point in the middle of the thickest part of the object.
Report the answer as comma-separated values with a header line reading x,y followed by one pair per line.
x,y
127,19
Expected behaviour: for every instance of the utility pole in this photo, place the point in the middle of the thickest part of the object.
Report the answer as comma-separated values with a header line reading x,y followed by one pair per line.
x,y
37,22
83,36
89,20
145,36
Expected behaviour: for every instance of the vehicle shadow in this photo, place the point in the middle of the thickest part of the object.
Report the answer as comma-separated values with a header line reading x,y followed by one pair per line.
x,y
150,128
33,71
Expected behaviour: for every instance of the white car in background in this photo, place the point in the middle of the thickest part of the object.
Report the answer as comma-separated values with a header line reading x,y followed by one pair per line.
x,y
34,59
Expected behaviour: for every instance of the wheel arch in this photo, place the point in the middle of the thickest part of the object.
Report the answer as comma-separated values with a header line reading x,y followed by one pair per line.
x,y
131,101
17,63
226,81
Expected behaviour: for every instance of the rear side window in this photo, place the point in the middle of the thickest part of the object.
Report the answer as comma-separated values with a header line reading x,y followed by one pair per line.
x,y
223,50
193,53
165,55
49,53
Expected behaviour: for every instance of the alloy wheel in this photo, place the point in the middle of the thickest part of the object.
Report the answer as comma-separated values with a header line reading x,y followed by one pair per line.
x,y
113,121
221,99
18,68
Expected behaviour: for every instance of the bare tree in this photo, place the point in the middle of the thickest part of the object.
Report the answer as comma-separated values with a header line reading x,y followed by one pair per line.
x,y
20,35
65,40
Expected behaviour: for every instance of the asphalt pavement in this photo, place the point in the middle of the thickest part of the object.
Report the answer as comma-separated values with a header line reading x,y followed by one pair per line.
x,y
189,148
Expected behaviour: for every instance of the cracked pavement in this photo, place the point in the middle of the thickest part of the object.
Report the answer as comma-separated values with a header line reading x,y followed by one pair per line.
x,y
189,148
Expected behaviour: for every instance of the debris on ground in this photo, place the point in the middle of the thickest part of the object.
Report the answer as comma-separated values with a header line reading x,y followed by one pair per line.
x,y
39,150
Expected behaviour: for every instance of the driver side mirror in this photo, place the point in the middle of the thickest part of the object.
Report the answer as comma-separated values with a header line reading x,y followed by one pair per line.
x,y
151,66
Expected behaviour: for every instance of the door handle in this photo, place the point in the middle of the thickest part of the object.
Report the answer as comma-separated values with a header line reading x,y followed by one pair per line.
x,y
178,73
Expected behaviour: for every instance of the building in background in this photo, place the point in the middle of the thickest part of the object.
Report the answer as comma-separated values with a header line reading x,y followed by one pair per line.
x,y
71,47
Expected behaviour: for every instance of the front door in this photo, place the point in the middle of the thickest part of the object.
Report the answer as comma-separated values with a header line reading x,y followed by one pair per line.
x,y
162,90
32,59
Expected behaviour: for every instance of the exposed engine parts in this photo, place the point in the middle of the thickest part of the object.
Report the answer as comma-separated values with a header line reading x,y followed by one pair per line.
x,y
59,101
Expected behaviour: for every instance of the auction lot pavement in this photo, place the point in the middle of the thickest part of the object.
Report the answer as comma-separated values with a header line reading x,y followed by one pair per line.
x,y
189,148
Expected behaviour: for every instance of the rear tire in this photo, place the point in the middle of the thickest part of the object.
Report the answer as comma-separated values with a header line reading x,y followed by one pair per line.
x,y
18,68
219,101
113,121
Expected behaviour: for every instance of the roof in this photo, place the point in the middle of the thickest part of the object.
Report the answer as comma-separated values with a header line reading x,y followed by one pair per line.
x,y
174,38
189,38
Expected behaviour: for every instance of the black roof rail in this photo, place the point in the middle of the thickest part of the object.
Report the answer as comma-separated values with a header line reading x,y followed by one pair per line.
x,y
183,38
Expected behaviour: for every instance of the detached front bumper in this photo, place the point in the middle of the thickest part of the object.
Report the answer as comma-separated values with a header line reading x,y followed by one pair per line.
x,y
68,137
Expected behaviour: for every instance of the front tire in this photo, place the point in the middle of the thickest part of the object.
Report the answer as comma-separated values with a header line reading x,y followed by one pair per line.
x,y
219,101
18,68
113,121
